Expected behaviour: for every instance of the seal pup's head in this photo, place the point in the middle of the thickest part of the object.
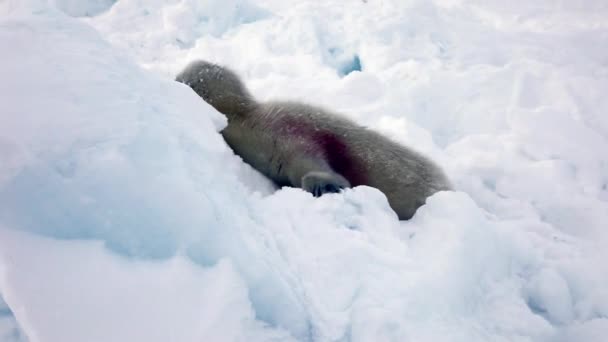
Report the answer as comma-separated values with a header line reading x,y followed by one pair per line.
x,y
218,86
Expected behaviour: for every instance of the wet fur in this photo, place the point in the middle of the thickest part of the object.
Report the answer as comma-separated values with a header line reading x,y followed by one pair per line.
x,y
299,145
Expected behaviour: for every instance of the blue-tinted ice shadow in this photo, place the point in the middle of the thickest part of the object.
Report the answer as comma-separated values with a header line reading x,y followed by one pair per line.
x,y
45,202
12,331
342,62
353,65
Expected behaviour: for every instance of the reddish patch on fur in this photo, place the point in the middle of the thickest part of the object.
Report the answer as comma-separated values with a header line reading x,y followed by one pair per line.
x,y
340,158
326,144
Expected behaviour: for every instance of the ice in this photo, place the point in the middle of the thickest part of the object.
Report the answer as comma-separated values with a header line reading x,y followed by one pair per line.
x,y
124,216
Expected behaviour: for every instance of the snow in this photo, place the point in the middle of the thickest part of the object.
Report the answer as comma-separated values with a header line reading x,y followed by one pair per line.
x,y
171,300
82,8
9,329
124,216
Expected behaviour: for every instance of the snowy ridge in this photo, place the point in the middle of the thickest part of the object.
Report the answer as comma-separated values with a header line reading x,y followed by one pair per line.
x,y
125,217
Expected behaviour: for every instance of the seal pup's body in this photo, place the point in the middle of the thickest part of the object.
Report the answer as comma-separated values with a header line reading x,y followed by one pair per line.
x,y
303,146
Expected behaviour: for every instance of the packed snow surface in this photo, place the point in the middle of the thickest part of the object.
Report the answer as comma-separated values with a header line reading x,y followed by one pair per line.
x,y
125,217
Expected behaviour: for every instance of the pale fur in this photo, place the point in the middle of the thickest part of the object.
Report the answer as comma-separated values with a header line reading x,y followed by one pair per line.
x,y
304,146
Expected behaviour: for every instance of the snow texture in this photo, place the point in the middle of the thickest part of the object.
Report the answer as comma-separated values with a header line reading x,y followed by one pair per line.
x,y
125,217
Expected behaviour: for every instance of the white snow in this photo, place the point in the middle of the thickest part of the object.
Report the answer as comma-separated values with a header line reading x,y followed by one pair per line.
x,y
125,217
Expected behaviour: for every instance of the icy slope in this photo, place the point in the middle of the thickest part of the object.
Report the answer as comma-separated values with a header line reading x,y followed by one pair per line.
x,y
125,217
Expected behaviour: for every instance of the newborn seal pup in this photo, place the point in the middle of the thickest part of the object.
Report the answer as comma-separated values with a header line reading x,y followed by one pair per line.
x,y
299,145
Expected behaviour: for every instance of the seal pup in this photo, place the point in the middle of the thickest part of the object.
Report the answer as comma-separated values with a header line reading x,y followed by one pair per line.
x,y
299,145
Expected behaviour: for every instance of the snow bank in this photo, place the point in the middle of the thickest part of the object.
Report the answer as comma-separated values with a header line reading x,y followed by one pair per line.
x,y
95,295
124,216
103,137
